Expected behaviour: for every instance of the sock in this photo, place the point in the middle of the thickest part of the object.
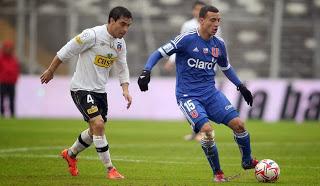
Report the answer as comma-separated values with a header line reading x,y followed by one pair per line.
x,y
84,141
102,148
210,149
243,141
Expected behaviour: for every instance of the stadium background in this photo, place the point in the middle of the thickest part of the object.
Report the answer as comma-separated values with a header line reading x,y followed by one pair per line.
x,y
274,46
273,41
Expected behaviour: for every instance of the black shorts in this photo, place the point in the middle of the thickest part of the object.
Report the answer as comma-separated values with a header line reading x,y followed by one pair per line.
x,y
91,104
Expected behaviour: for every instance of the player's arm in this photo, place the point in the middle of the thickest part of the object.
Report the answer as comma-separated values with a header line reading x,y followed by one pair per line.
x,y
47,75
74,47
123,74
164,51
169,64
229,72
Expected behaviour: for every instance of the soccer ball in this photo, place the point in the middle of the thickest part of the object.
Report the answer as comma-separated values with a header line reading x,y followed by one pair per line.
x,y
267,171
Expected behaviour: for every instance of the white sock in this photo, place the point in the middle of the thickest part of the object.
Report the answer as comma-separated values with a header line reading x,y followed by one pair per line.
x,y
102,148
84,141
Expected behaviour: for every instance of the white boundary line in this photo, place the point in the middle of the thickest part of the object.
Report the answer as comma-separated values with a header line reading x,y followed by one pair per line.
x,y
24,152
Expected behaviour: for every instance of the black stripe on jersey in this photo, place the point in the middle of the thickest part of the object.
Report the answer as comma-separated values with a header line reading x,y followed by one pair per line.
x,y
103,149
82,142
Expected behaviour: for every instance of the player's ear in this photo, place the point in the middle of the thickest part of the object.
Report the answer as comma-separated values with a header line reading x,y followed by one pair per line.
x,y
201,20
111,21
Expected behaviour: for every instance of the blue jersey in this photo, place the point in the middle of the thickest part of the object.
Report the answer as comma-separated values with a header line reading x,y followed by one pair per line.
x,y
195,61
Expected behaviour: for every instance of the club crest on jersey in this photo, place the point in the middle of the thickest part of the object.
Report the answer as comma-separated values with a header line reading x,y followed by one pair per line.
x,y
105,61
215,52
119,46
194,114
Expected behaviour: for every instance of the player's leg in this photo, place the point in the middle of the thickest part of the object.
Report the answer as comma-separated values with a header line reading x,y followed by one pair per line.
x,y
242,138
11,94
225,113
210,149
197,117
102,147
99,138
2,95
84,140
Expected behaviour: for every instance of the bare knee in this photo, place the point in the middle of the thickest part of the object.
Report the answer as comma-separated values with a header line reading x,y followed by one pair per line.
x,y
207,131
97,126
237,125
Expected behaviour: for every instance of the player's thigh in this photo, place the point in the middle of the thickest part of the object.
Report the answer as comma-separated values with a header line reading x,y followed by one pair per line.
x,y
194,112
219,109
87,103
102,105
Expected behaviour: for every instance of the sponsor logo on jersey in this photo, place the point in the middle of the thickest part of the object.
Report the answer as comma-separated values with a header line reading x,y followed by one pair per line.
x,y
215,52
194,114
196,63
104,61
92,110
168,47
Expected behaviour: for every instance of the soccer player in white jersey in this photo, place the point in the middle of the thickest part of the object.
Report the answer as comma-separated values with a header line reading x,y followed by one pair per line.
x,y
99,48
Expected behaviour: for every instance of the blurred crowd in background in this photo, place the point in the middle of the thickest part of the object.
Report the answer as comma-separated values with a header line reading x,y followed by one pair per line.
x,y
265,38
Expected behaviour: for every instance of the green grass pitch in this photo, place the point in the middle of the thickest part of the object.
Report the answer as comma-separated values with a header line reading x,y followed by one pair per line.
x,y
152,153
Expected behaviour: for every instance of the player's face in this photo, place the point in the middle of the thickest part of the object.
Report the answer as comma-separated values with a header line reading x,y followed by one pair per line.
x,y
120,27
210,23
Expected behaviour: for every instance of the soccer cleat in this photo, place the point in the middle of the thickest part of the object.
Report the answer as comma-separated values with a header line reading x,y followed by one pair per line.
x,y
219,177
113,174
72,163
250,165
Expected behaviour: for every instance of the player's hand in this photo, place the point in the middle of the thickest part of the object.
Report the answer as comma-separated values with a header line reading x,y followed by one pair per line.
x,y
128,98
144,80
46,76
246,94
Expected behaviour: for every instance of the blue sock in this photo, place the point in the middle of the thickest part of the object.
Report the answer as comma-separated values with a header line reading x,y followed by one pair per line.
x,y
243,141
211,151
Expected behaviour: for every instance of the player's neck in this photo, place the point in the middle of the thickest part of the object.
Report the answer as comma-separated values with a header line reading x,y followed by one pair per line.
x,y
204,35
109,30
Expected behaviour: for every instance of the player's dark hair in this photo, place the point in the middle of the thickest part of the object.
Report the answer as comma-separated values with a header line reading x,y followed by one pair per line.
x,y
207,8
118,12
196,3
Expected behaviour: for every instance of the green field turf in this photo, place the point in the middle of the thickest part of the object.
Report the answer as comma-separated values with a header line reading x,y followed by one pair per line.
x,y
152,153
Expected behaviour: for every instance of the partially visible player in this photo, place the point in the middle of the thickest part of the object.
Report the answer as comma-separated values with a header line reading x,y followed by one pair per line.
x,y
99,48
187,26
197,52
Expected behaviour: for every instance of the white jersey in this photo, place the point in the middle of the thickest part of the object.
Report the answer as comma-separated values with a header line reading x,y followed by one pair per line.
x,y
97,51
189,25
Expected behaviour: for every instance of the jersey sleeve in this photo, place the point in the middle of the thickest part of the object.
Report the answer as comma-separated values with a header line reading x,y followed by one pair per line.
x,y
223,61
121,65
77,45
174,46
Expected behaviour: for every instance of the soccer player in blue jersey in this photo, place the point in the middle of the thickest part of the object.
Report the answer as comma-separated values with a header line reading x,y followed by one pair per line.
x,y
197,52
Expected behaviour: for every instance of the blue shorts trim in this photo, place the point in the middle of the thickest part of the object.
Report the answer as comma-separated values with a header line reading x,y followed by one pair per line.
x,y
200,124
230,116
